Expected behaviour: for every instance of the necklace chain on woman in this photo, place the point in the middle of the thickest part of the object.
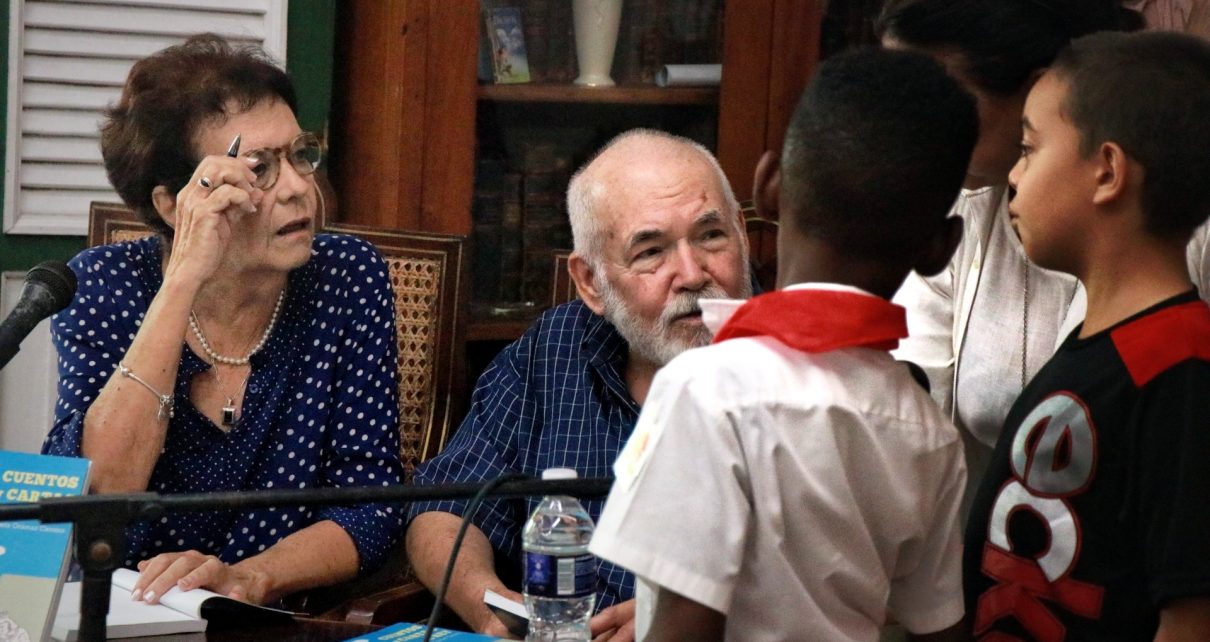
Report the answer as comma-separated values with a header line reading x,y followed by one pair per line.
x,y
235,361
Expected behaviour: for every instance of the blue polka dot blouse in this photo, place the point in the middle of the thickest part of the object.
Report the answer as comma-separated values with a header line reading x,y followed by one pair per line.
x,y
319,410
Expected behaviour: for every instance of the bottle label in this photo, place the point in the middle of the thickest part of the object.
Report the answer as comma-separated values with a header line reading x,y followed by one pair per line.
x,y
552,576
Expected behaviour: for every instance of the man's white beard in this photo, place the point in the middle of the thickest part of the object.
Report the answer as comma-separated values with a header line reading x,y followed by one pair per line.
x,y
659,342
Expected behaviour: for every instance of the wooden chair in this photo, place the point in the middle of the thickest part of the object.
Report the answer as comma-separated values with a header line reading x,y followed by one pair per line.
x,y
114,223
562,288
430,274
762,247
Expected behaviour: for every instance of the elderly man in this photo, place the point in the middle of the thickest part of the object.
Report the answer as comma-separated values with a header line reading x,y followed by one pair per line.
x,y
656,227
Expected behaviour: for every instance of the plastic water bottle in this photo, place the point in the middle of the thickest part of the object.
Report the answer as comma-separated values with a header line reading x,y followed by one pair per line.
x,y
560,573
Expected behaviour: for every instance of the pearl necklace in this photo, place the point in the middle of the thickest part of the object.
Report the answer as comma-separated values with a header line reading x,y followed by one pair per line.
x,y
235,361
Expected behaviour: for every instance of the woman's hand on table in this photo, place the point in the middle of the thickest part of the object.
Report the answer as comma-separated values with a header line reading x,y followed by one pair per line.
x,y
191,569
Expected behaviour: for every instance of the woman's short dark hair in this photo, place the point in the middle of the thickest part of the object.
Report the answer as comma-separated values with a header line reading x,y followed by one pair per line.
x,y
148,137
1001,42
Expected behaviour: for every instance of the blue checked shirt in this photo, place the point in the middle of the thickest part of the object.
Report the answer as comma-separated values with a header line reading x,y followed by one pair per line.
x,y
553,399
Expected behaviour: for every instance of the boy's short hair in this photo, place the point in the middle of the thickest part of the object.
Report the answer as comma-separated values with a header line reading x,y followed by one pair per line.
x,y
1150,94
876,152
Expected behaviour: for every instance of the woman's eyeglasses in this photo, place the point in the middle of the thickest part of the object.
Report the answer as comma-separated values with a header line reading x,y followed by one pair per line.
x,y
303,154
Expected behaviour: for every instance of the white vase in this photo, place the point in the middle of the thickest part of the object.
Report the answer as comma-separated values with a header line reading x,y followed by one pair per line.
x,y
596,37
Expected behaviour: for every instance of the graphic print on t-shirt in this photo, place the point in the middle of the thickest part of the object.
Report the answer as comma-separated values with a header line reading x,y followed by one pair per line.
x,y
1054,456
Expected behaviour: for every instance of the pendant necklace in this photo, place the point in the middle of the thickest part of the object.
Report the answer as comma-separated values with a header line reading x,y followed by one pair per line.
x,y
229,418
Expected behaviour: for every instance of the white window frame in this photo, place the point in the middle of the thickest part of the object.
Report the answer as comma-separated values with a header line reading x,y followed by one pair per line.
x,y
67,211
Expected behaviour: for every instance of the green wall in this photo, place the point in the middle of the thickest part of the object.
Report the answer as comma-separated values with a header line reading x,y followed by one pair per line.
x,y
308,59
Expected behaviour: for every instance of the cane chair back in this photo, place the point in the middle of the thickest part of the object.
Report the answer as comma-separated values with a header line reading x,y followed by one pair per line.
x,y
562,288
762,248
430,276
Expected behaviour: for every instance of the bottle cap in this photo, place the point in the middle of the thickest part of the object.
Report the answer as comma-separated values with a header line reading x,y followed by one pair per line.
x,y
559,473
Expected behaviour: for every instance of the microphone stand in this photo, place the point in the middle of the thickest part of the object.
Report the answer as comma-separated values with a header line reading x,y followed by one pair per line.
x,y
100,520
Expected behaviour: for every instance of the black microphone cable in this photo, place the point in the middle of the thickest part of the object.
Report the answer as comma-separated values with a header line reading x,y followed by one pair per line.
x,y
466,522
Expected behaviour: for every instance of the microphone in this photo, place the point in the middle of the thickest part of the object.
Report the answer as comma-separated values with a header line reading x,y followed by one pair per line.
x,y
49,287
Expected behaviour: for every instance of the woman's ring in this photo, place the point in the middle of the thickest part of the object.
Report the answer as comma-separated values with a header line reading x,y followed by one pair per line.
x,y
204,182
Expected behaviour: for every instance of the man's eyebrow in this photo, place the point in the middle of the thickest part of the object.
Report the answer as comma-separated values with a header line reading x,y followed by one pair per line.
x,y
713,217
643,236
709,218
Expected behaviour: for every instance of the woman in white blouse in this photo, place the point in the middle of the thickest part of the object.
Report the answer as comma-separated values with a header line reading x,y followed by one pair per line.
x,y
983,327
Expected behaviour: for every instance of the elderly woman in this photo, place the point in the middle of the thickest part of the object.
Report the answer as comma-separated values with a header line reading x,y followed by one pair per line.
x,y
236,349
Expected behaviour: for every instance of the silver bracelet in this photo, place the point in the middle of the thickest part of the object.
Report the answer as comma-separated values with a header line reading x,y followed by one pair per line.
x,y
166,401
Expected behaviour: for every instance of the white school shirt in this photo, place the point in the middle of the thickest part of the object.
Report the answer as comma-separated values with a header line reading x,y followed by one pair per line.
x,y
806,496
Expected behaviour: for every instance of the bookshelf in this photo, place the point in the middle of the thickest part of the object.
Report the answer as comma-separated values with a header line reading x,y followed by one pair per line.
x,y
622,95
413,125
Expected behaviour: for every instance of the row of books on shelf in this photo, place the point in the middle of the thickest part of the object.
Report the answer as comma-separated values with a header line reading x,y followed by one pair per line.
x,y
534,40
519,220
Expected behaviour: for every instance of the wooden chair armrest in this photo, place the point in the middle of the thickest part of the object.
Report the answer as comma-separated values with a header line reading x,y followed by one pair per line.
x,y
410,602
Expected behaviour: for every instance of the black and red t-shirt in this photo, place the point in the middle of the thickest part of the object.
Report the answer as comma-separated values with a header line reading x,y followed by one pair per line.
x,y
1095,511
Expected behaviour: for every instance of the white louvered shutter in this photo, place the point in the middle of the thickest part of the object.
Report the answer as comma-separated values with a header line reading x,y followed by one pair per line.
x,y
67,61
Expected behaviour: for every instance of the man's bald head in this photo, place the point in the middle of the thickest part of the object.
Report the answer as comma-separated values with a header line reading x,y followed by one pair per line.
x,y
631,159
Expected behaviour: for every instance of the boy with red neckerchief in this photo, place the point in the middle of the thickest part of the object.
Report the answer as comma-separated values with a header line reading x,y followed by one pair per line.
x,y
1093,519
792,481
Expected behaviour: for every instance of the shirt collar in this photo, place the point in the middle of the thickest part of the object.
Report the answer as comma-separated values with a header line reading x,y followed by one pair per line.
x,y
716,312
818,317
606,351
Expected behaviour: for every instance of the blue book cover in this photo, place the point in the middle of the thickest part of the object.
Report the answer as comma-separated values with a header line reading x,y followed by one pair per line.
x,y
510,62
33,555
404,632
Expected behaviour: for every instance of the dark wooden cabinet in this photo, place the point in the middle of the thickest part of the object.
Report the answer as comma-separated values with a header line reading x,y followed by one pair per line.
x,y
405,95
401,142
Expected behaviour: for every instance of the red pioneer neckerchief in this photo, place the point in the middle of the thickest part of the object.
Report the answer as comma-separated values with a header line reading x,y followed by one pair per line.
x,y
819,320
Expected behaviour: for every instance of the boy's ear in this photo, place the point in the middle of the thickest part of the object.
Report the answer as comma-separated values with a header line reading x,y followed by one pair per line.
x,y
941,247
581,273
766,186
165,204
1113,173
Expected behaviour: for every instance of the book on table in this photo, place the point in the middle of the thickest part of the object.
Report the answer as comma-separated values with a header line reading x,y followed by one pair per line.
x,y
510,612
34,556
178,611
405,632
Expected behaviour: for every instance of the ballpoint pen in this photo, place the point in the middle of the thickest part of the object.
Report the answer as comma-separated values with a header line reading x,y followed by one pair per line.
x,y
232,151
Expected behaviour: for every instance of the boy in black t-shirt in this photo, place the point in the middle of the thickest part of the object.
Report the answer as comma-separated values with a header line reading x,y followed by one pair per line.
x,y
1093,522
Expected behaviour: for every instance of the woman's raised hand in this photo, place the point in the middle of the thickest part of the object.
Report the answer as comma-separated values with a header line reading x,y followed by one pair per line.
x,y
208,209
